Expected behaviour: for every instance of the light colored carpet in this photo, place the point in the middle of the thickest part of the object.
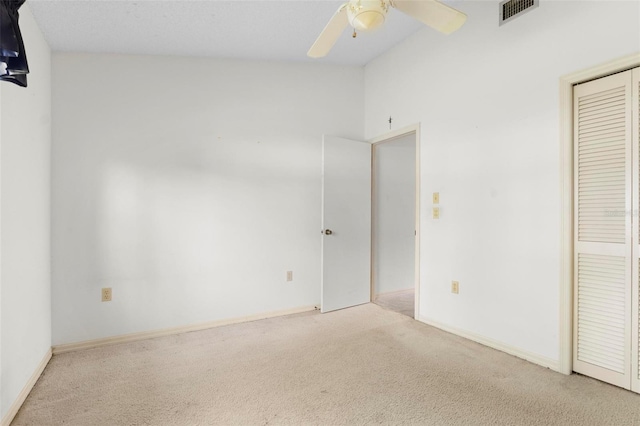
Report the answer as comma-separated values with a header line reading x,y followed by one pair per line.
x,y
401,302
363,365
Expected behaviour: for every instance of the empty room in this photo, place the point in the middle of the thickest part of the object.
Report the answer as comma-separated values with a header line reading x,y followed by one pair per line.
x,y
319,212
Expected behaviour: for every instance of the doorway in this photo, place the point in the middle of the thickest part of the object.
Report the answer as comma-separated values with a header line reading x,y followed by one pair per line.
x,y
394,229
585,301
606,231
567,84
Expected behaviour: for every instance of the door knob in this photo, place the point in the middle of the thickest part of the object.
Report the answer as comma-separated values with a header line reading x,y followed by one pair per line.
x,y
328,232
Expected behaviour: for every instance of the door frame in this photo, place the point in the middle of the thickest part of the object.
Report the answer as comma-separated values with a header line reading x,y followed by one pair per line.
x,y
388,137
565,361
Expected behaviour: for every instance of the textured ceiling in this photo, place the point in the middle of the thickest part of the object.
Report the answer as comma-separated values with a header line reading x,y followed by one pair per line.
x,y
266,29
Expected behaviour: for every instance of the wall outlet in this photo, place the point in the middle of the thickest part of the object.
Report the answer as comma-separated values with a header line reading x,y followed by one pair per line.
x,y
436,198
289,276
436,212
106,294
455,287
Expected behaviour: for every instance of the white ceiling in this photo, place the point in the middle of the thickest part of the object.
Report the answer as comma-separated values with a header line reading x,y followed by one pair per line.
x,y
247,29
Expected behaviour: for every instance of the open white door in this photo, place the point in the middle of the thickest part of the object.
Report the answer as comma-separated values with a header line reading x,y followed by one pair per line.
x,y
346,223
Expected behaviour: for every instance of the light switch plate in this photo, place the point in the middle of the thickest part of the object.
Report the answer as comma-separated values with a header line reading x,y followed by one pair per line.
x,y
455,287
436,212
436,198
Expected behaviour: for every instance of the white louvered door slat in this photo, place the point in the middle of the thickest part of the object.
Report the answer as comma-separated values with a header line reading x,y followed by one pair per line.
x,y
635,236
602,241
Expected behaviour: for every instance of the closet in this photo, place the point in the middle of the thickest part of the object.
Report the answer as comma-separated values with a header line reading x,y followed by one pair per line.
x,y
607,229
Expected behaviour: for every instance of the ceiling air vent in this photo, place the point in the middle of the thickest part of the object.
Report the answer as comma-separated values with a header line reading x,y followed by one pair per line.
x,y
511,9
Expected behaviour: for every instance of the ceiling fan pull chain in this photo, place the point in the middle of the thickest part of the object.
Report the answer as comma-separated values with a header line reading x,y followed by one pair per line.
x,y
354,33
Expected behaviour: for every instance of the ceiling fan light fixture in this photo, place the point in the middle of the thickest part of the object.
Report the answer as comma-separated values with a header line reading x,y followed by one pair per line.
x,y
366,15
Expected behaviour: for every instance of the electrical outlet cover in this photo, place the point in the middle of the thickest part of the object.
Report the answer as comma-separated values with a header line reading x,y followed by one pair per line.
x,y
106,294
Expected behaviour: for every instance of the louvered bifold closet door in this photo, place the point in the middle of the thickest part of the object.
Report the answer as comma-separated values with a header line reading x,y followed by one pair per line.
x,y
602,221
635,236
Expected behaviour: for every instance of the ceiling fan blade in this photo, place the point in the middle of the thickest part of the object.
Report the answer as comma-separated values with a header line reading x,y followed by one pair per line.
x,y
437,15
330,34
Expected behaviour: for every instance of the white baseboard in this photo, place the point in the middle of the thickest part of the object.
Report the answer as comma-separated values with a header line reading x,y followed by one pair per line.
x,y
527,356
88,344
24,393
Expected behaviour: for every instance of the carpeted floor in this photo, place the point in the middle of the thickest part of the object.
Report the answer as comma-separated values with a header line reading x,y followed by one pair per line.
x,y
401,302
363,365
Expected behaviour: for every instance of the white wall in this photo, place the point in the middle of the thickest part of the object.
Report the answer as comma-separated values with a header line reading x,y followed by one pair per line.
x,y
394,214
25,138
487,100
190,186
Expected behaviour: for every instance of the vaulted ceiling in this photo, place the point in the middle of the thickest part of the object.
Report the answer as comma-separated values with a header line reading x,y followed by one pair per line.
x,y
242,29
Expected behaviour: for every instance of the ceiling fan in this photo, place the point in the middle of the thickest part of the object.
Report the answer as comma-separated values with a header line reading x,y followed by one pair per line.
x,y
364,15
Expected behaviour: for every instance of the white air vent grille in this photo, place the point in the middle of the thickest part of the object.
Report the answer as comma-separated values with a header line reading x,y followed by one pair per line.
x,y
511,9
